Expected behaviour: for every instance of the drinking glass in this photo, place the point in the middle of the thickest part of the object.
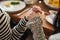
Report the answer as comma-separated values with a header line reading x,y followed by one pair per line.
x,y
30,1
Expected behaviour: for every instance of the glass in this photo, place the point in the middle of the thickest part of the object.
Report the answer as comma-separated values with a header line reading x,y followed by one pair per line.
x,y
10,0
30,1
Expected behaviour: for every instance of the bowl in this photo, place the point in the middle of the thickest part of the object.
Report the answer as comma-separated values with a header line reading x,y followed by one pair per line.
x,y
52,3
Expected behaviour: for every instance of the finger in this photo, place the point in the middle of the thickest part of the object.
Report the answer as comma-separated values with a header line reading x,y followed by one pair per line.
x,y
36,10
36,7
46,13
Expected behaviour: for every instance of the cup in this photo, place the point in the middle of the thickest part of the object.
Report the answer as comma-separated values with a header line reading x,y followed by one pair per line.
x,y
30,1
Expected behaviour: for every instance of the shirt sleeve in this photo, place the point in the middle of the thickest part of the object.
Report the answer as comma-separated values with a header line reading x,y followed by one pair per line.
x,y
6,33
35,24
19,29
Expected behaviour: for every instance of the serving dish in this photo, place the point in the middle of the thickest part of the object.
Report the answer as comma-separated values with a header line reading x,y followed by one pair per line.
x,y
52,3
12,7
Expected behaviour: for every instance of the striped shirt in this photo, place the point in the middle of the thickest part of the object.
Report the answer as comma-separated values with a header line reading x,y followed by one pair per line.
x,y
6,33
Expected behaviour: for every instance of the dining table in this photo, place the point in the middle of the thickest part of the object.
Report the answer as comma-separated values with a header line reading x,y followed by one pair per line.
x,y
47,27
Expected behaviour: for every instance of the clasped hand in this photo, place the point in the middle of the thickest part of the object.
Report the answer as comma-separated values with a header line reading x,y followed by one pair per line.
x,y
33,12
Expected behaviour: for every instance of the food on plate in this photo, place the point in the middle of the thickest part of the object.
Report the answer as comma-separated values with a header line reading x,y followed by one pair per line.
x,y
53,11
7,4
54,3
15,3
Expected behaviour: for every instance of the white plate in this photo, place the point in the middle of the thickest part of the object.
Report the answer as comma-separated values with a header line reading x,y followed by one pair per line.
x,y
50,18
12,8
46,2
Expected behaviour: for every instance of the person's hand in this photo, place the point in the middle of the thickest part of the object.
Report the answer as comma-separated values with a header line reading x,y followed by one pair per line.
x,y
31,13
38,9
35,11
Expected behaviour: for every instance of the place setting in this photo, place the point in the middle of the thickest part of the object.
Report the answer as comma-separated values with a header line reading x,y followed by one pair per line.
x,y
54,5
12,6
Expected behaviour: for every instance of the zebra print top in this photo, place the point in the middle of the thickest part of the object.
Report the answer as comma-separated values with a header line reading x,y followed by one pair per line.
x,y
6,33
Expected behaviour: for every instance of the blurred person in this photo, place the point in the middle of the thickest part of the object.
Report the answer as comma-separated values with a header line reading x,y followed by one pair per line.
x,y
6,33
56,34
32,22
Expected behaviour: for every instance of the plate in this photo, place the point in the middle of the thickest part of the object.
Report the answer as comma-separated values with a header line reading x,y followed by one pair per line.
x,y
12,8
51,6
50,18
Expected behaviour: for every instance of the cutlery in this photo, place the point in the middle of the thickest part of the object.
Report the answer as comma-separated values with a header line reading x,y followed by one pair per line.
x,y
23,12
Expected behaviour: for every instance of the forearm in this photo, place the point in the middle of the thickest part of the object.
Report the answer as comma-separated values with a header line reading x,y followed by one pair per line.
x,y
6,33
35,25
19,29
